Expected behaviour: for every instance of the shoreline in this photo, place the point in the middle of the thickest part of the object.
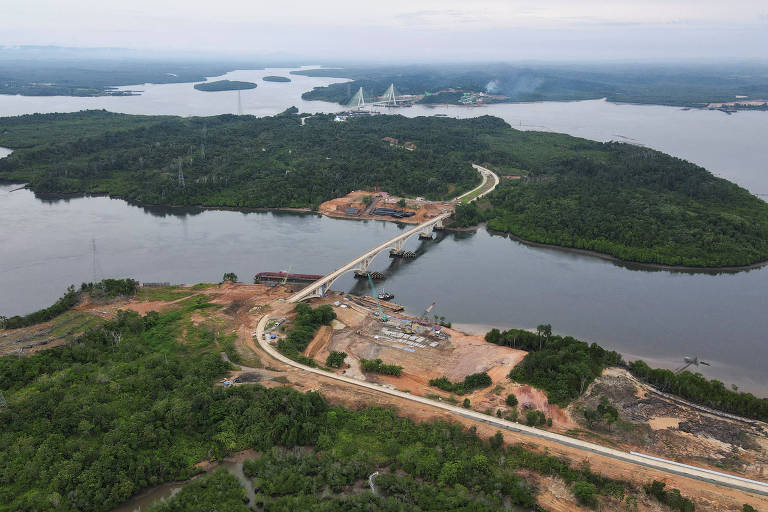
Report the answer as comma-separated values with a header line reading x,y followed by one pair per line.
x,y
629,263
632,265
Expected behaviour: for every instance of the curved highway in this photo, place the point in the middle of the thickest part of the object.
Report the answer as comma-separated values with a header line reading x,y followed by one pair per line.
x,y
486,174
676,468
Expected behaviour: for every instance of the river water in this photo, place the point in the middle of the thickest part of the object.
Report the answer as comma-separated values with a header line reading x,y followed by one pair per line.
x,y
141,502
477,279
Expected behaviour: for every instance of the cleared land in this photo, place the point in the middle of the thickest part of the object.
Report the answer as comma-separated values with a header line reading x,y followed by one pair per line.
x,y
702,439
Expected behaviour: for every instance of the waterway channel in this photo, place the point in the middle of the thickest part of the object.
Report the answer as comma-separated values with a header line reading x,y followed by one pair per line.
x,y
142,501
477,279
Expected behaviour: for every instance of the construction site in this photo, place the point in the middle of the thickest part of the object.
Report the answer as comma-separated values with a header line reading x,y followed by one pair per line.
x,y
361,204
367,328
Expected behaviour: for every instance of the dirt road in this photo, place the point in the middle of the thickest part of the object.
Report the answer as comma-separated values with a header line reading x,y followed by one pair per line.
x,y
578,449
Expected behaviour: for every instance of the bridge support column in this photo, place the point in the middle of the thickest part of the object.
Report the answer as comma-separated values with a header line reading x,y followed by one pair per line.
x,y
396,250
426,234
365,263
439,226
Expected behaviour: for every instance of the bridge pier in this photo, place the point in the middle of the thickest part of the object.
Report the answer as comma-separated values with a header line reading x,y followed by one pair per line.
x,y
396,251
361,265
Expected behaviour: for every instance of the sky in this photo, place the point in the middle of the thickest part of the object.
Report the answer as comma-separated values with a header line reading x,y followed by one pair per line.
x,y
402,30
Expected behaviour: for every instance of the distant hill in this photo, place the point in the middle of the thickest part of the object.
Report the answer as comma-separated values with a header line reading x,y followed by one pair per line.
x,y
225,85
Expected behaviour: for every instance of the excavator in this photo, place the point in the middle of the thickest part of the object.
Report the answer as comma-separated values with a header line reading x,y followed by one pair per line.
x,y
688,362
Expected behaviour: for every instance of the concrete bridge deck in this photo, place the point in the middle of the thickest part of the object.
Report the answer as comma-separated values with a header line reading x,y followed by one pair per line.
x,y
319,287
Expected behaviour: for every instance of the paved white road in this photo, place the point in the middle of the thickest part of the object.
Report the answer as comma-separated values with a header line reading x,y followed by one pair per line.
x,y
705,475
486,174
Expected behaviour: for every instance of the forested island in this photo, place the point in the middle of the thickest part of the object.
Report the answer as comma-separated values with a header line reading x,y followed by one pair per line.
x,y
56,71
691,86
626,201
273,78
225,85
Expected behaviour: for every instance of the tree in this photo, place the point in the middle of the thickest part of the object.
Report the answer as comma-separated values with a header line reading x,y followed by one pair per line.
x,y
511,400
592,416
497,441
401,203
465,403
3,321
367,200
607,412
544,331
335,359
229,276
586,493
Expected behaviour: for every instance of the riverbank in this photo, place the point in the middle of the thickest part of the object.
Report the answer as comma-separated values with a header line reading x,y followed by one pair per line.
x,y
628,263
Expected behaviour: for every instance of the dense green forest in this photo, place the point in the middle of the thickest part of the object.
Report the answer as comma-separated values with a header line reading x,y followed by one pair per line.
x,y
225,85
240,161
468,385
303,328
52,71
272,78
630,202
131,404
680,85
219,492
696,388
564,367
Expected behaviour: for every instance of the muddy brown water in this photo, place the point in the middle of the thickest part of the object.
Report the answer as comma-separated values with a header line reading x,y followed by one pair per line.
x,y
141,502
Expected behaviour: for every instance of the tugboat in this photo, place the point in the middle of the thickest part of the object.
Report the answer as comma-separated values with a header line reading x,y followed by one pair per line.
x,y
386,296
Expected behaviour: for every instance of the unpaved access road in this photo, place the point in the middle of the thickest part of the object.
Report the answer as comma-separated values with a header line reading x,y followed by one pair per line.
x,y
535,435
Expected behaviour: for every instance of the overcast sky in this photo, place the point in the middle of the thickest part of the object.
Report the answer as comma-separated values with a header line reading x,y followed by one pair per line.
x,y
414,30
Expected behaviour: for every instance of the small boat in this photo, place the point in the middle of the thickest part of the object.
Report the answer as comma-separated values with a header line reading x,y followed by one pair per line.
x,y
386,296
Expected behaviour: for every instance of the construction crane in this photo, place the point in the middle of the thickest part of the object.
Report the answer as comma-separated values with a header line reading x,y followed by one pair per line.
x,y
688,362
426,311
285,279
382,316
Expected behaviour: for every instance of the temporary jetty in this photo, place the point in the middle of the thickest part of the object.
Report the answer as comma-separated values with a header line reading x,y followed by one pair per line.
x,y
370,301
285,277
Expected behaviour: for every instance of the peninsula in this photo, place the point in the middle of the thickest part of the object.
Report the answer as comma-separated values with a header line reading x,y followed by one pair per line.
x,y
630,202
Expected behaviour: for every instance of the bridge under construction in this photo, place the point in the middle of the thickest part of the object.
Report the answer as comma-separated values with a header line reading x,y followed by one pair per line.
x,y
361,263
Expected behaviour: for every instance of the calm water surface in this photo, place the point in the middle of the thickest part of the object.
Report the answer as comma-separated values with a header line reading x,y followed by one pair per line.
x,y
475,278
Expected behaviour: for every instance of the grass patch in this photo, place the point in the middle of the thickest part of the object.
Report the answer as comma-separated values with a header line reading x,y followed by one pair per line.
x,y
163,293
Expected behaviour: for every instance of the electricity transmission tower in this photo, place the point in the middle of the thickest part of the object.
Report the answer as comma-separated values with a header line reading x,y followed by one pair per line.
x,y
202,141
181,174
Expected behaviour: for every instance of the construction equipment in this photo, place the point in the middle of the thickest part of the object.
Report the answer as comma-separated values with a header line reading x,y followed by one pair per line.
x,y
382,316
688,362
286,275
426,311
